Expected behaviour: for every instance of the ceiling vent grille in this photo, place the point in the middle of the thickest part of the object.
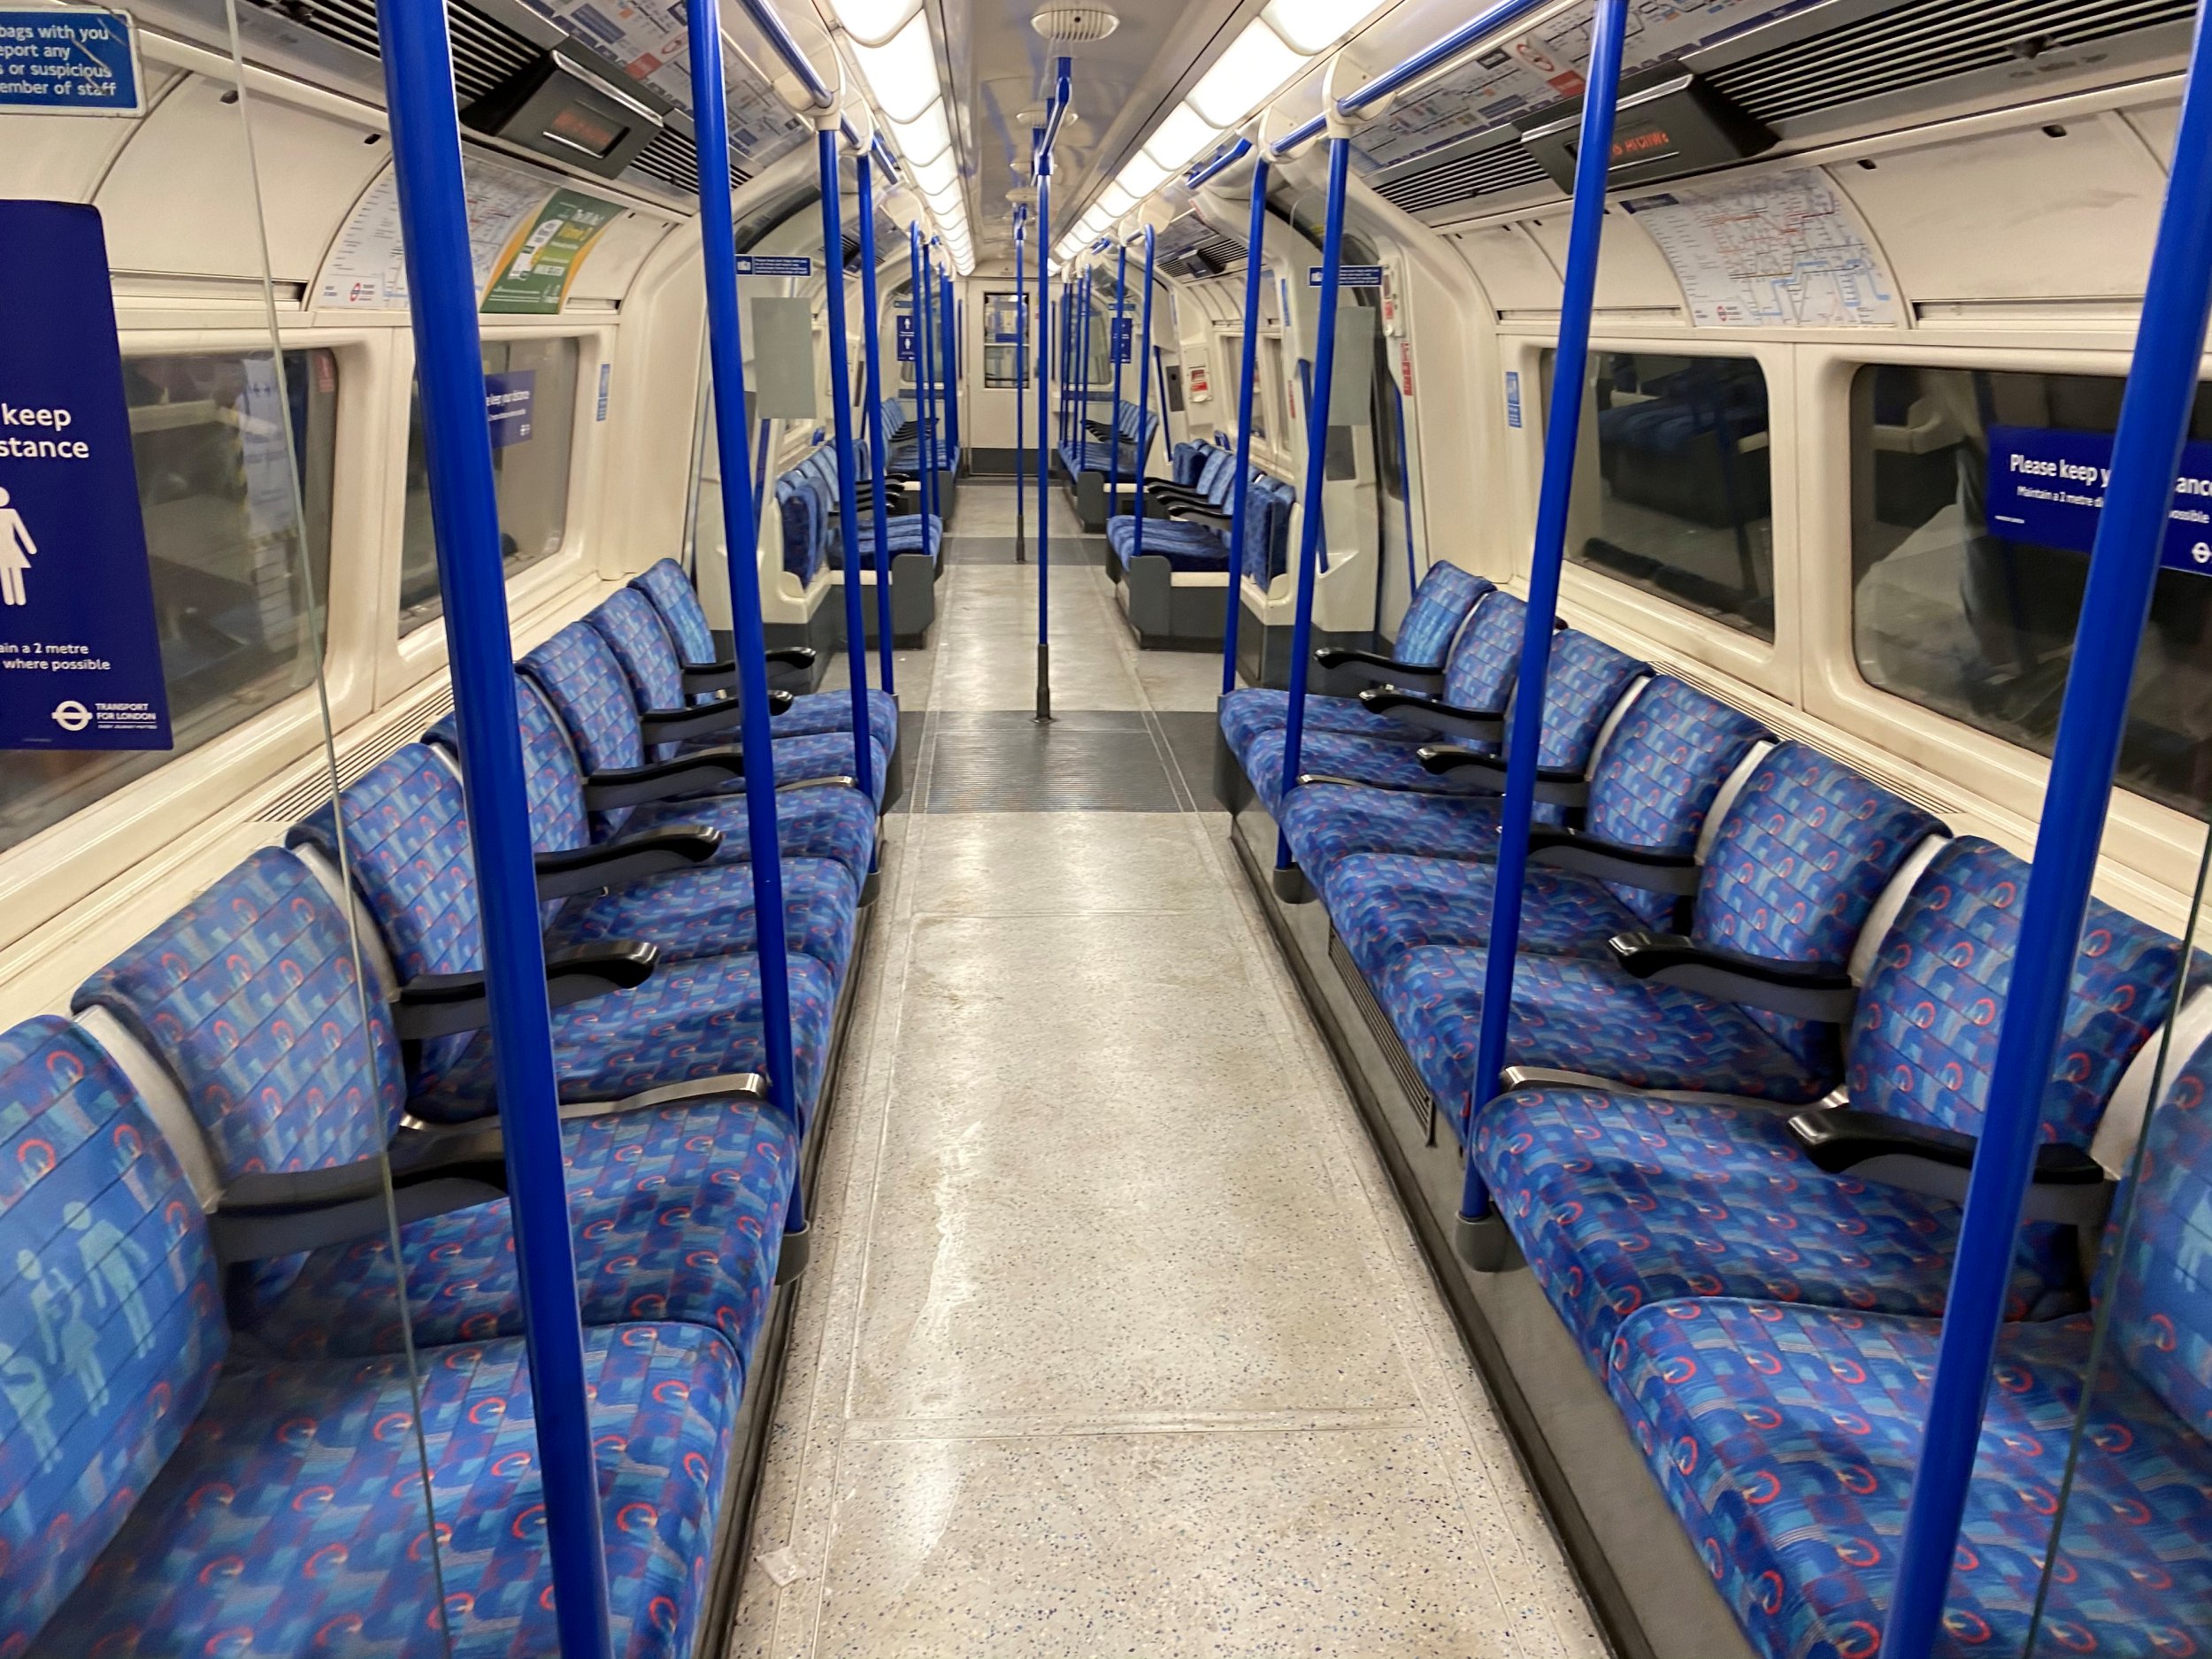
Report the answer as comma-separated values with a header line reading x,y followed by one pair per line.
x,y
672,160
1504,167
1221,252
1074,25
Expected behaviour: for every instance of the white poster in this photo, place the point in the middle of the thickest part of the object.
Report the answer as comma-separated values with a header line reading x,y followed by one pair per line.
x,y
1780,251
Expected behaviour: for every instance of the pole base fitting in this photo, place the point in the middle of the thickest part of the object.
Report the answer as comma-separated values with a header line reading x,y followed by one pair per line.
x,y
1044,681
798,1250
1291,885
1484,1243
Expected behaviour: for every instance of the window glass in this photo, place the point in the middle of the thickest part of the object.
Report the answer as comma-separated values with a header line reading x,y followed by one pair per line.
x,y
1672,491
530,397
237,605
1001,340
1270,373
1969,549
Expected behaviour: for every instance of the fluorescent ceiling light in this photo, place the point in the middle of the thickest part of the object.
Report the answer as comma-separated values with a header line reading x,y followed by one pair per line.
x,y
1180,137
871,22
902,72
1142,176
927,139
1256,63
938,176
1116,200
941,203
1310,25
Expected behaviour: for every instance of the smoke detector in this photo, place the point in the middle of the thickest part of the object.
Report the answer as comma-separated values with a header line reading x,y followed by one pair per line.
x,y
1071,26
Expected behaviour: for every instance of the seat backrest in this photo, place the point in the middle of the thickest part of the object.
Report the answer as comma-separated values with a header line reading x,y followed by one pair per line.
x,y
1486,656
582,679
2160,1255
685,618
794,510
1795,869
1439,605
110,1328
1660,769
1214,477
632,629
1926,1034
1586,678
1187,460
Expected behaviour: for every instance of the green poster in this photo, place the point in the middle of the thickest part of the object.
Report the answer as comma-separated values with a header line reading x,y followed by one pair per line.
x,y
547,250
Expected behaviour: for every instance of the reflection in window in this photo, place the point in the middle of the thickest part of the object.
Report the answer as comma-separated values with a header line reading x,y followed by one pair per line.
x,y
1679,500
1972,613
530,394
237,587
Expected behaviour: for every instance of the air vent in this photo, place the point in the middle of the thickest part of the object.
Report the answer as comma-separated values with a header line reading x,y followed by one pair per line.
x,y
311,792
1221,252
1072,26
1505,167
672,160
1915,44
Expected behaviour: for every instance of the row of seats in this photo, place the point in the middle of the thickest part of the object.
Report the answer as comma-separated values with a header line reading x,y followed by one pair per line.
x,y
1101,446
903,440
1190,525
1756,1004
808,508
210,1423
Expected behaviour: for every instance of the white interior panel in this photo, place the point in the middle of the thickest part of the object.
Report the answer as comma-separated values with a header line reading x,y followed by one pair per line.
x,y
2018,215
2156,124
1633,273
1514,271
615,257
42,160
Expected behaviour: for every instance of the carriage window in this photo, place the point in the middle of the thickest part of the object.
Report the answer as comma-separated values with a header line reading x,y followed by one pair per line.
x,y
530,397
1674,495
237,605
1001,340
1970,547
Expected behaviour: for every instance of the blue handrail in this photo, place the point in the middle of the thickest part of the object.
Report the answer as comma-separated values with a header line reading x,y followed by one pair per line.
x,y
1313,521
825,142
1227,159
2124,561
926,356
1300,134
1044,424
1405,484
417,58
949,369
1113,350
920,314
1562,430
740,529
879,451
1079,434
1021,385
780,39
1247,369
1144,401
1473,33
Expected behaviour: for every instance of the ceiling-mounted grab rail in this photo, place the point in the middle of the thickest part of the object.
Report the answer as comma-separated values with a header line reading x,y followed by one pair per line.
x,y
1221,162
781,39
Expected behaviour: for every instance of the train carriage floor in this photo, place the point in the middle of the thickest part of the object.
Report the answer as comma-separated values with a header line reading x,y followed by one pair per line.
x,y
1116,1341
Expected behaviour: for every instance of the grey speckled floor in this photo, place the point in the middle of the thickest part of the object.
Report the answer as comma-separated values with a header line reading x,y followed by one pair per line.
x,y
1114,1342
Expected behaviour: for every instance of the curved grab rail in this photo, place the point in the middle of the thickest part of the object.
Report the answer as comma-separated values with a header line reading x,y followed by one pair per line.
x,y
1221,162
787,46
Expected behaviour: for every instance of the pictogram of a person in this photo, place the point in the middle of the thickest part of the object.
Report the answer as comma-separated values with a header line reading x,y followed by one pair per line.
x,y
16,552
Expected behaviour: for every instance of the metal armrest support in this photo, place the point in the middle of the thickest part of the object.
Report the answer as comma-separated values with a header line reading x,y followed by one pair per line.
x,y
1797,989
1434,714
282,1213
2067,1185
1585,855
663,779
629,858
1378,670
440,1004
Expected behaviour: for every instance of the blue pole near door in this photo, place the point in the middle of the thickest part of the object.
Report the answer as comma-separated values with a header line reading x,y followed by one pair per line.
x,y
950,367
2123,562
1021,386
926,359
1247,369
441,282
726,351
1113,349
825,141
1563,429
914,311
1313,522
872,348
1144,406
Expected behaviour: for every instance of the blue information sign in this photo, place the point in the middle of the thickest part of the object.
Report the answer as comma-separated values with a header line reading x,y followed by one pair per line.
x,y
1513,397
775,265
79,655
509,404
606,383
2046,486
1348,276
906,336
1124,333
63,61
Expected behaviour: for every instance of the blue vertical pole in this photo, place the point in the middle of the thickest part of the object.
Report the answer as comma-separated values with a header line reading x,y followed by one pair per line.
x,y
1313,524
1021,389
1144,406
2161,390
1247,367
1044,426
1113,349
740,528
825,141
450,358
950,374
926,359
879,457
1080,435
915,310
1563,427
1067,336
1405,484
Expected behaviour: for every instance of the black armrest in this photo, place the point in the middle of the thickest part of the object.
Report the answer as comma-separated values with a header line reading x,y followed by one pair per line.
x,y
1555,785
610,863
1798,989
1434,714
282,1213
720,676
1098,428
1378,670
1602,860
1192,514
664,779
674,726
440,1005
2067,1185
1161,490
789,656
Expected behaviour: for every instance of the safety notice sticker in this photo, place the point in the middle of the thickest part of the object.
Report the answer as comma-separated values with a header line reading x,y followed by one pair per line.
x,y
67,61
80,654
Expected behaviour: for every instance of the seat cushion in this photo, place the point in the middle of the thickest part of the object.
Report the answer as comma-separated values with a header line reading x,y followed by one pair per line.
x,y
820,711
1325,822
810,755
677,1213
293,1508
691,1020
1786,1438
1250,711
708,912
1620,1201
826,821
1380,763
1385,905
1578,1014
